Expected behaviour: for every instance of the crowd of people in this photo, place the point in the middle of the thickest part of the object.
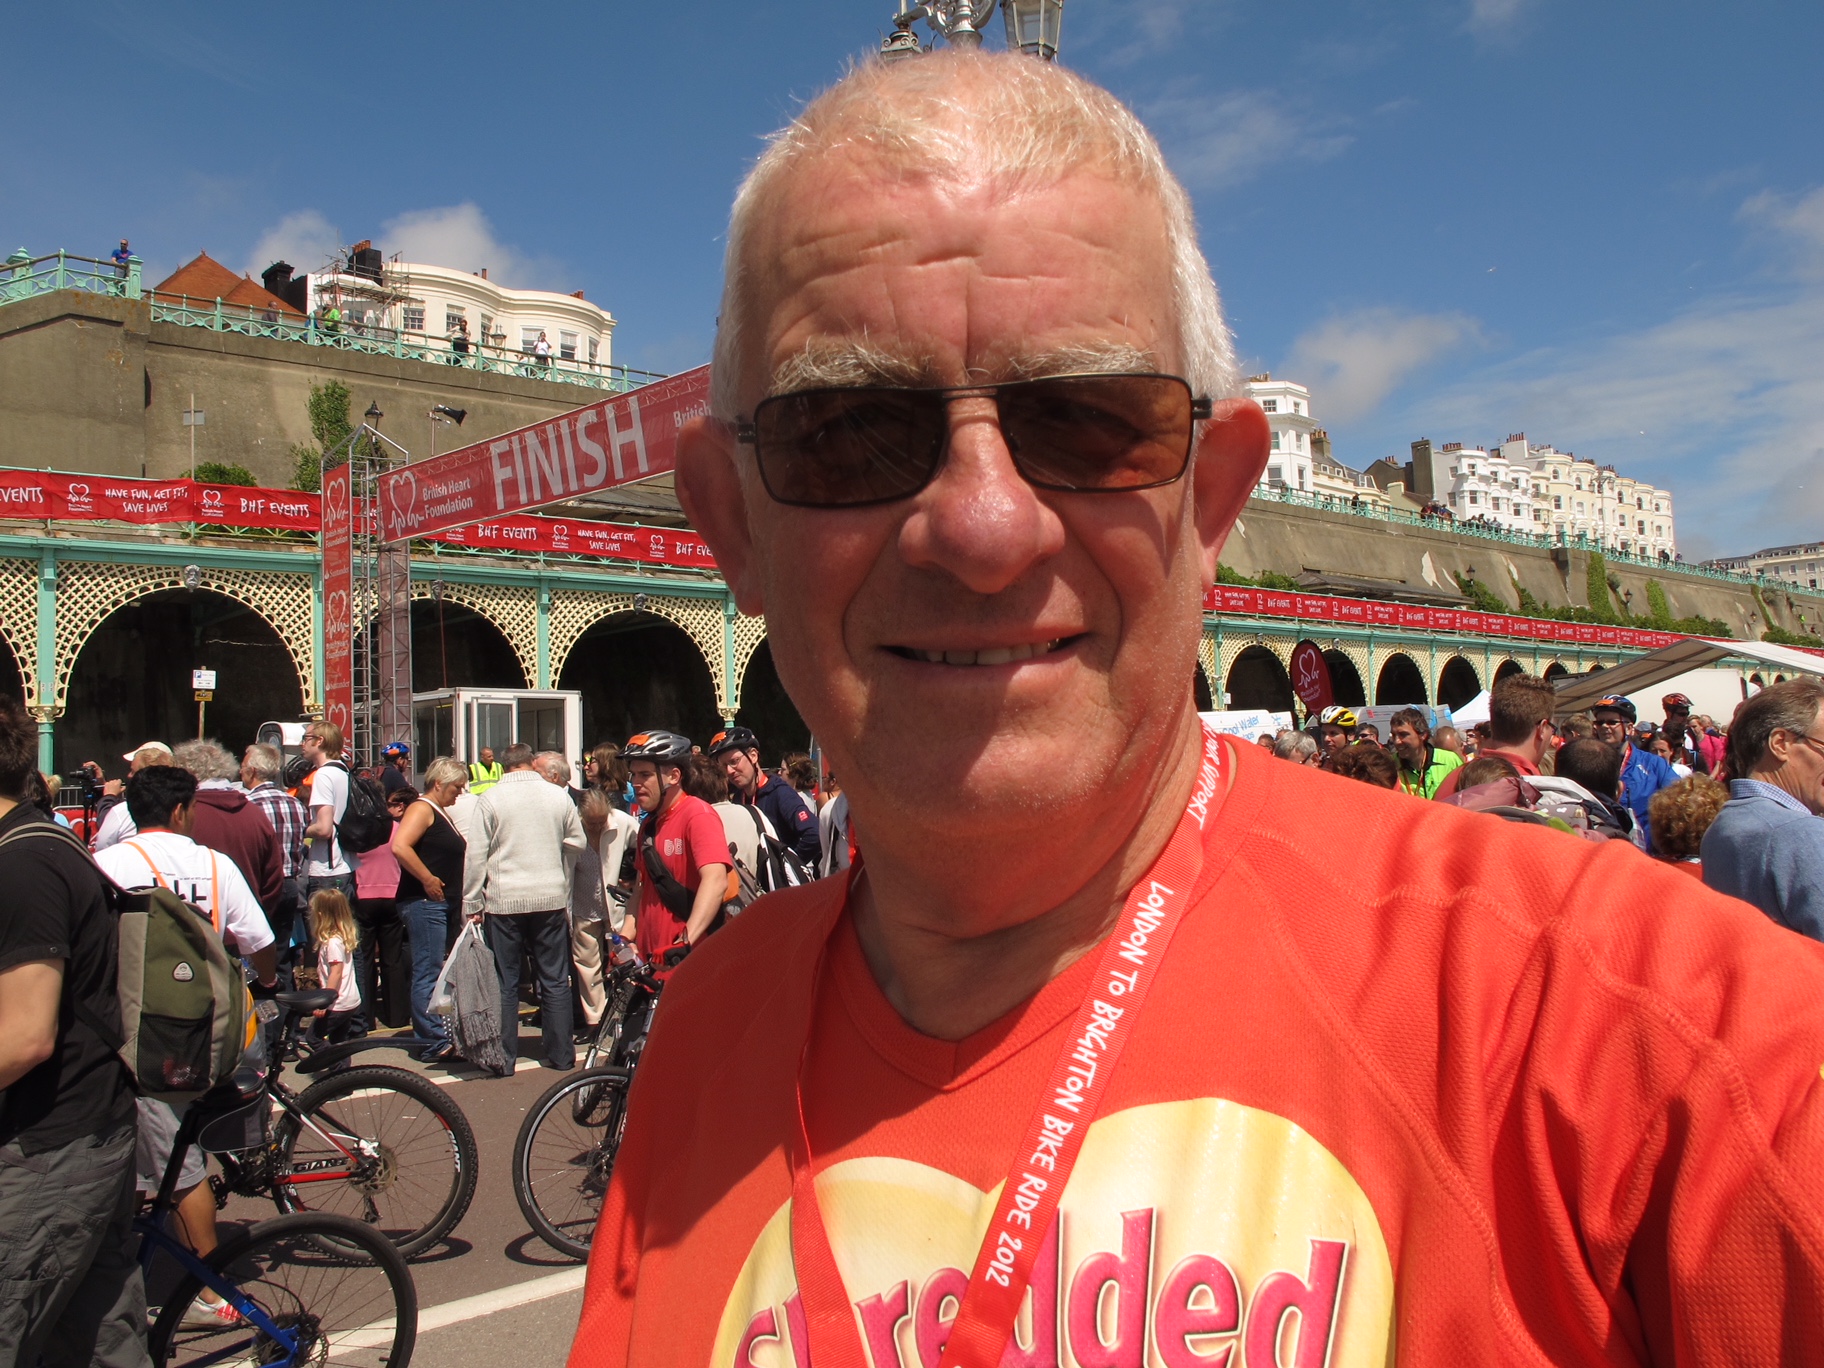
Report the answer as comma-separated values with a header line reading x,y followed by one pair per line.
x,y
547,865
1607,774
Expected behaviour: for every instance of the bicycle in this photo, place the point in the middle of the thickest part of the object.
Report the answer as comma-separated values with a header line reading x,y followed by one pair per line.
x,y
378,1144
297,1289
564,1153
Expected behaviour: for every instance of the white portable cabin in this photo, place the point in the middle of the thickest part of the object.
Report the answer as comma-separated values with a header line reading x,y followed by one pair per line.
x,y
460,722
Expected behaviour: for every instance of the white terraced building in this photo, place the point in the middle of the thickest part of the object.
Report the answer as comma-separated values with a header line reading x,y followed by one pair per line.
x,y
1287,405
1573,497
1801,565
432,303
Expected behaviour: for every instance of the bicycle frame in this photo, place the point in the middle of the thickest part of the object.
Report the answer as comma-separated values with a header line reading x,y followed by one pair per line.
x,y
154,1237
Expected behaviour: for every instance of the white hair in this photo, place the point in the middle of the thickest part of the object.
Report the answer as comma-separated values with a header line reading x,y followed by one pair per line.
x,y
1000,115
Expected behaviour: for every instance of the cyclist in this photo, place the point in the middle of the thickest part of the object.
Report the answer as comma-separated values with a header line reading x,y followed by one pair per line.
x,y
396,769
738,750
1335,729
1643,773
683,859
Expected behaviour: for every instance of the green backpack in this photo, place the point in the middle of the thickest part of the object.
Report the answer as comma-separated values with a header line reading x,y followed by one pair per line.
x,y
185,1011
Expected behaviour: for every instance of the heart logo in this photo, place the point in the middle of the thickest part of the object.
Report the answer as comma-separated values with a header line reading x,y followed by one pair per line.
x,y
402,495
79,490
212,500
337,500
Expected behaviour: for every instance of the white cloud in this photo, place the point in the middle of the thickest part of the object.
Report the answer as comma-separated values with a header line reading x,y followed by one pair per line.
x,y
458,236
1354,361
1723,404
1799,220
461,237
1215,141
306,239
1492,17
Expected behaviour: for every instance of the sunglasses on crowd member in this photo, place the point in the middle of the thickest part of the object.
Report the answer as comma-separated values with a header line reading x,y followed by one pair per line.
x,y
873,444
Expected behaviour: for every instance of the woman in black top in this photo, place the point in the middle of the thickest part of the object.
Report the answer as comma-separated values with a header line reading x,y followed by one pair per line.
x,y
431,852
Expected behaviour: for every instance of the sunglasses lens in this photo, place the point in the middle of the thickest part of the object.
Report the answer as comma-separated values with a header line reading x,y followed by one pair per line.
x,y
834,448
1099,432
837,448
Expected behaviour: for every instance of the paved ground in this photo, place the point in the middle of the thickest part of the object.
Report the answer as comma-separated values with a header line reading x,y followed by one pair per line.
x,y
492,1294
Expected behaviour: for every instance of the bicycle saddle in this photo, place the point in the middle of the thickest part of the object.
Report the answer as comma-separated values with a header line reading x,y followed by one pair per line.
x,y
305,999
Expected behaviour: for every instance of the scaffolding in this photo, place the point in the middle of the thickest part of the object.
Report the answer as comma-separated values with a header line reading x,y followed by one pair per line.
x,y
380,600
368,292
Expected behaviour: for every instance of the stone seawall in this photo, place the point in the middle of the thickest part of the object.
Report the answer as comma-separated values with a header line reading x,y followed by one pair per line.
x,y
1289,539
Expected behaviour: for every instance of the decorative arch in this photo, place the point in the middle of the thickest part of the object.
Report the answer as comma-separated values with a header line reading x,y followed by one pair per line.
x,y
575,611
1508,668
1400,680
19,620
1345,679
88,591
512,608
749,633
1258,679
1555,670
1458,682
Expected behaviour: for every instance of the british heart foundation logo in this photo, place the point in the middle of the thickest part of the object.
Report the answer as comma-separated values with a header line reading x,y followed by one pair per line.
x,y
213,507
79,498
402,496
1192,1233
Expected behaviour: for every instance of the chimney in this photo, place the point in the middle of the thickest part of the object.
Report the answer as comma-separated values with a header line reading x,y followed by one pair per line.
x,y
576,294
484,272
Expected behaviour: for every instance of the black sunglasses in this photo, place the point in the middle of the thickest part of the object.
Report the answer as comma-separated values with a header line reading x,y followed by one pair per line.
x,y
873,444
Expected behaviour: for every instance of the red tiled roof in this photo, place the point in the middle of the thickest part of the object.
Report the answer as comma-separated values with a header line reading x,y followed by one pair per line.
x,y
207,279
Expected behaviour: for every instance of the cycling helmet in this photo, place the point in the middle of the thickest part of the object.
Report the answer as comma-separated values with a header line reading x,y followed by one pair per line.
x,y
733,738
1676,700
1337,716
1616,703
657,745
395,748
297,770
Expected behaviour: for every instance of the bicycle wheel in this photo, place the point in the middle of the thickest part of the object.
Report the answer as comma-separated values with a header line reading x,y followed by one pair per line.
x,y
382,1145
565,1153
360,1307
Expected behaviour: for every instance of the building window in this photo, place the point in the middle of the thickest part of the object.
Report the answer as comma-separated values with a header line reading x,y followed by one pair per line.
x,y
1580,482
1276,441
594,344
528,339
1474,498
487,326
1269,406
1276,475
1580,508
566,345
1297,406
1557,501
413,318
453,319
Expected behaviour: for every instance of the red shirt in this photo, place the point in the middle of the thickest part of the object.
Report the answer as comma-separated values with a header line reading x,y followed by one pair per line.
x,y
1550,1102
689,835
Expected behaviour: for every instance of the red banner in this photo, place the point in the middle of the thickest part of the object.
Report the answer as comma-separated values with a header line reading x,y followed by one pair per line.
x,y
1244,602
100,498
631,437
567,537
338,602
1311,677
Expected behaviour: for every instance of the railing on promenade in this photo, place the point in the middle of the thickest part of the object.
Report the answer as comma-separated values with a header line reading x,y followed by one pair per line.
x,y
1581,542
23,276
377,341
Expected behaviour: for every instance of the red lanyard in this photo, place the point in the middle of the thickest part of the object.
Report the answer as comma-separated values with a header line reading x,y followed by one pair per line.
x,y
1069,1105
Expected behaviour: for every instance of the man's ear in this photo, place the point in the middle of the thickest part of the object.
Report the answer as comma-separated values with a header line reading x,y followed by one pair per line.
x,y
1231,452
709,486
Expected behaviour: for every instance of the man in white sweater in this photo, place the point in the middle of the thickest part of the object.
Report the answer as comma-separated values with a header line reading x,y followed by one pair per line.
x,y
527,836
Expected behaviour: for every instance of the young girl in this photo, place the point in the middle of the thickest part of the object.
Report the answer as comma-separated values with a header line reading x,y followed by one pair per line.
x,y
334,923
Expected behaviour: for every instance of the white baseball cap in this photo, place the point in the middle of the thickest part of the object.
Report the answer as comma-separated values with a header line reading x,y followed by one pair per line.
x,y
148,745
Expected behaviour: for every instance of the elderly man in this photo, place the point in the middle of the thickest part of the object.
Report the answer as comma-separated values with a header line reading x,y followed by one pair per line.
x,y
1766,846
226,820
527,838
1098,1034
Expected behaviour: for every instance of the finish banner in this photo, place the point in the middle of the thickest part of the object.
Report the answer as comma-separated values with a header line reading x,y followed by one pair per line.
x,y
632,436
45,494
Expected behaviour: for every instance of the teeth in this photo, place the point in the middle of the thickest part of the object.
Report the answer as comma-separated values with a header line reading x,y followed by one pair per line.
x,y
993,655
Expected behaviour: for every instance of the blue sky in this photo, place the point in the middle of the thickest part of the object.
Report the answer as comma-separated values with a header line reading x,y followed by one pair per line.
x,y
1599,224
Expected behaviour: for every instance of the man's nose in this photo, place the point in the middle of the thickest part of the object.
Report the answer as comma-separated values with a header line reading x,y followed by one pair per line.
x,y
979,520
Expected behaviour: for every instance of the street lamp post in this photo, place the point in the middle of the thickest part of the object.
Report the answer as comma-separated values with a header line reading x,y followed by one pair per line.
x,y
1033,26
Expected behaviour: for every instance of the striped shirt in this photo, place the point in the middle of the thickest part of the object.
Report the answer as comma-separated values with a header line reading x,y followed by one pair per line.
x,y
287,817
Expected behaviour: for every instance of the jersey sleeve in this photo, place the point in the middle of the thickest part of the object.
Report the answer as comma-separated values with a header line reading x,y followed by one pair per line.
x,y
37,923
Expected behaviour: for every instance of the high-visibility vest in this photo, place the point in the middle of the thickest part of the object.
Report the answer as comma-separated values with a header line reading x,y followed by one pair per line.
x,y
483,777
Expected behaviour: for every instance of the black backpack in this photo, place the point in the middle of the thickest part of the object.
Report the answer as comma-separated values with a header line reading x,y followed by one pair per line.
x,y
366,824
780,865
